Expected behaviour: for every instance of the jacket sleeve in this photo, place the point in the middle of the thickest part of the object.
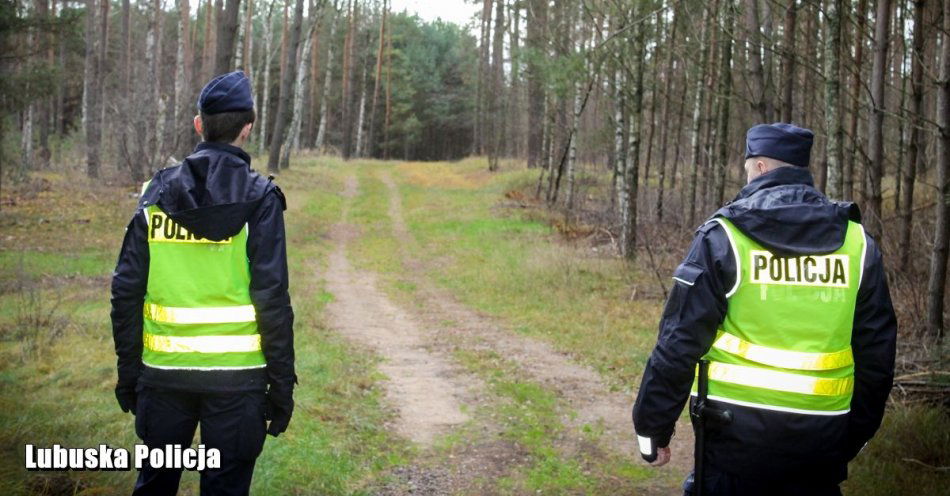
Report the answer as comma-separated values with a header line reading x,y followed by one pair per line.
x,y
267,254
129,284
694,310
873,342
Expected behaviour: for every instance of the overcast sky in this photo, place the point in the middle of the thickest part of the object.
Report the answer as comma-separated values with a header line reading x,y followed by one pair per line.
x,y
456,11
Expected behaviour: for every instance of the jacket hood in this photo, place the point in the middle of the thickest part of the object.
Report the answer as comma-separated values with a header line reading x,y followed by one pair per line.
x,y
212,193
784,212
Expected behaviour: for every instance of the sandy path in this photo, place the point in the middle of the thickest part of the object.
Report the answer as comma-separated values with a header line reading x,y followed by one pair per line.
x,y
424,387
578,385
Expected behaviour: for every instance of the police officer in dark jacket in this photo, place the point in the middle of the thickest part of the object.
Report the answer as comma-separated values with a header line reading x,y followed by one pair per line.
x,y
785,295
201,313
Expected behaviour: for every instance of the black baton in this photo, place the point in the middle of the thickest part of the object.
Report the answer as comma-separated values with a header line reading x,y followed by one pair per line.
x,y
699,413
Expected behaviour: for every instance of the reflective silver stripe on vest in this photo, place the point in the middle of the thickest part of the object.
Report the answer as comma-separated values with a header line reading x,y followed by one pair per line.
x,y
779,381
202,344
199,315
786,359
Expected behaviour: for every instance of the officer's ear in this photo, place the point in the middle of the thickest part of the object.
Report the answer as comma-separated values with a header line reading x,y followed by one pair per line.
x,y
199,126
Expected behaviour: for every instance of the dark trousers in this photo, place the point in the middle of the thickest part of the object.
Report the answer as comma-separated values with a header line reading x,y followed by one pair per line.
x,y
231,422
720,483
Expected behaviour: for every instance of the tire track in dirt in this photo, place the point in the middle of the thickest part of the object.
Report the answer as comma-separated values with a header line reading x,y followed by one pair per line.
x,y
579,386
425,388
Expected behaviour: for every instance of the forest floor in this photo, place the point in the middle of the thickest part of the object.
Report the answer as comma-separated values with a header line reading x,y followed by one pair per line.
x,y
449,341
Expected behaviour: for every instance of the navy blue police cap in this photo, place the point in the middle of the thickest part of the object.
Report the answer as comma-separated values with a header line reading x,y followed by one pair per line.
x,y
786,142
229,92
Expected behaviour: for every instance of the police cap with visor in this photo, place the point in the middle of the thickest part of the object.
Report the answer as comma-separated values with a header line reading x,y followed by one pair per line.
x,y
229,92
786,142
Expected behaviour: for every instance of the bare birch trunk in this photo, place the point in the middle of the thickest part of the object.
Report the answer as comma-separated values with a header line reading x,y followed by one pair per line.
x,y
361,116
286,89
267,59
325,96
620,144
303,73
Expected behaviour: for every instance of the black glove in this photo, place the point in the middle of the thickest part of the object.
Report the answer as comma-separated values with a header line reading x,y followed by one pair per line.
x,y
280,406
127,397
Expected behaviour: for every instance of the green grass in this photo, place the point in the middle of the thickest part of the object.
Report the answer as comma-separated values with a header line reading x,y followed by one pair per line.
x,y
508,264
909,455
533,419
58,365
376,250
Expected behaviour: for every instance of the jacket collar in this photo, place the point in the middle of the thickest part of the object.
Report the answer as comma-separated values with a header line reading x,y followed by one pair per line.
x,y
778,177
225,148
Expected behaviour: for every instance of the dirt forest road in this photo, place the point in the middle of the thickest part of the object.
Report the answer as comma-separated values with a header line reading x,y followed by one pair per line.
x,y
432,395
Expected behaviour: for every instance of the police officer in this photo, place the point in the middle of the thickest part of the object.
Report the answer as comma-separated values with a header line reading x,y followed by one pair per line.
x,y
784,293
201,314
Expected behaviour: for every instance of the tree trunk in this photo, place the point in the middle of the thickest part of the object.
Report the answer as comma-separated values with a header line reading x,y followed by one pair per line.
x,y
629,233
347,121
360,116
496,119
724,97
314,95
664,120
916,125
377,80
91,93
126,48
155,103
482,83
182,65
654,86
207,50
513,111
757,77
286,89
293,136
227,35
325,95
855,100
537,18
833,149
809,55
875,165
620,142
389,90
788,57
938,260
45,107
695,144
247,50
266,60
26,135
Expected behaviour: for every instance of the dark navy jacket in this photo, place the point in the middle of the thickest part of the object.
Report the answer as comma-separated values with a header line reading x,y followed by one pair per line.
x,y
784,212
213,193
